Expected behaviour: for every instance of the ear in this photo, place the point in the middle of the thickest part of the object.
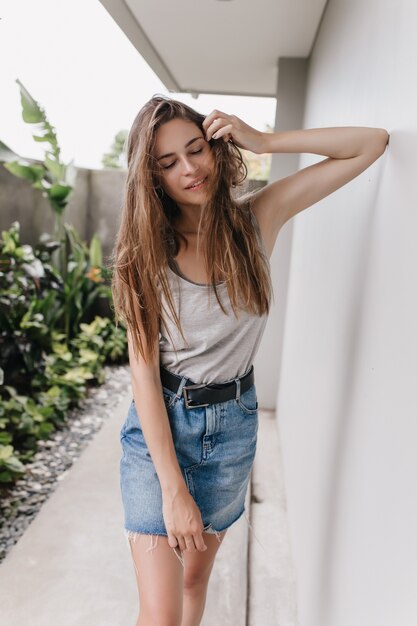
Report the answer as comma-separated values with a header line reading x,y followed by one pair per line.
x,y
159,191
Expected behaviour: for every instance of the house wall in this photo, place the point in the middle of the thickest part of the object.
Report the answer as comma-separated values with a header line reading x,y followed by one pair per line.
x,y
346,401
292,76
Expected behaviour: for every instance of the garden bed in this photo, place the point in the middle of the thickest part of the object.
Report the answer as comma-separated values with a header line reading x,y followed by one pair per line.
x,y
21,503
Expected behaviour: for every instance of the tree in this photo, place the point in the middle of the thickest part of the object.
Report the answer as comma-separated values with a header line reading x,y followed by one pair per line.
x,y
116,158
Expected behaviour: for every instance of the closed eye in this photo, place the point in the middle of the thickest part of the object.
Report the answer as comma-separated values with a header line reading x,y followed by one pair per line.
x,y
167,167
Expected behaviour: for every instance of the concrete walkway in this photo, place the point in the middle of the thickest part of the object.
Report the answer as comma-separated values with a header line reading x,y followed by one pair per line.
x,y
73,567
272,584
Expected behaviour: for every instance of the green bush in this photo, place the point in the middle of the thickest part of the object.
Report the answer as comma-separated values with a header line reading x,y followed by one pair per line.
x,y
10,466
51,343
31,294
50,348
62,380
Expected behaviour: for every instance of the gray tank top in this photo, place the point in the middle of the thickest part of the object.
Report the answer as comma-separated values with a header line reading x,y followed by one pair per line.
x,y
219,347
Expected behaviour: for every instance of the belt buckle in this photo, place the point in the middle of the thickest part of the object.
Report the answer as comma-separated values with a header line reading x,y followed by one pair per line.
x,y
192,406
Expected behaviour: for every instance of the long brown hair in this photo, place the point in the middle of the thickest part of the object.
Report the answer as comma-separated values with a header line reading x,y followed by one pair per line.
x,y
147,236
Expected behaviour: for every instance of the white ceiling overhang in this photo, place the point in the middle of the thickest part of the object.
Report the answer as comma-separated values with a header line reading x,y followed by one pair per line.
x,y
218,46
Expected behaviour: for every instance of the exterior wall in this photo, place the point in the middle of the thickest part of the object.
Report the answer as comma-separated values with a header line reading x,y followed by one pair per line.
x,y
289,114
346,405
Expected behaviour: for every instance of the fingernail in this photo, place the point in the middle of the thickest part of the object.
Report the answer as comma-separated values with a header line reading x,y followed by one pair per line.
x,y
214,136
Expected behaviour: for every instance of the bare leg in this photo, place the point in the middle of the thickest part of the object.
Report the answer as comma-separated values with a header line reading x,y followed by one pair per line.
x,y
159,576
197,570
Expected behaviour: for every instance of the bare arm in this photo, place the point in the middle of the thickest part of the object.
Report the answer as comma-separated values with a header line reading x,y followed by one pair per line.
x,y
339,142
181,515
350,150
149,402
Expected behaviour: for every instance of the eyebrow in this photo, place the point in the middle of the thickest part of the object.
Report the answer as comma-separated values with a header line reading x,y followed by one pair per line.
x,y
186,146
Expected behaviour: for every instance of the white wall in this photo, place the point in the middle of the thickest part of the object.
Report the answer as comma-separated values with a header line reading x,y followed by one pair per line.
x,y
292,78
347,400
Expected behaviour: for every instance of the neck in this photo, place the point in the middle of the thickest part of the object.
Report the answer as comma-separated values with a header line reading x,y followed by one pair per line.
x,y
188,219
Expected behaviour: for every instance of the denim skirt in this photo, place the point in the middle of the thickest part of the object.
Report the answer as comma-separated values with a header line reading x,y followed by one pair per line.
x,y
215,447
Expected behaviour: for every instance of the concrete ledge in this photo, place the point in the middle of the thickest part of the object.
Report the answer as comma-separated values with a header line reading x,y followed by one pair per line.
x,y
227,591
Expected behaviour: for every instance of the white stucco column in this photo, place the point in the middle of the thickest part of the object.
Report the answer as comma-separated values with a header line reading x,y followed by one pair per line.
x,y
291,87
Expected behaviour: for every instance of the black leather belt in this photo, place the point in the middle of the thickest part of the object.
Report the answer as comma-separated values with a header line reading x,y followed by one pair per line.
x,y
196,395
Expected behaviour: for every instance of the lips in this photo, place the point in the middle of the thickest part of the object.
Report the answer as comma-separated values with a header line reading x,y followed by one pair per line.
x,y
197,182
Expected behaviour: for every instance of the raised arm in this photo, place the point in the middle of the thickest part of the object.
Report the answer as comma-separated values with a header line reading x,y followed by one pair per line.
x,y
349,150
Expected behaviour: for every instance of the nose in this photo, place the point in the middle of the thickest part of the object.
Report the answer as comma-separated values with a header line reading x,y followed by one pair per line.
x,y
188,166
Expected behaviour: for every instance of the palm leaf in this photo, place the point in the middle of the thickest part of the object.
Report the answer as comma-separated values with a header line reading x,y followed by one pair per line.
x,y
33,113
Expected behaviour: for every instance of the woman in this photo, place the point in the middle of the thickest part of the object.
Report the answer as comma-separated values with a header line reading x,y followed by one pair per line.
x,y
192,284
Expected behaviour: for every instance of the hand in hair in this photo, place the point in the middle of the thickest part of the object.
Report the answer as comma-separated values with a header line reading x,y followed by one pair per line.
x,y
219,125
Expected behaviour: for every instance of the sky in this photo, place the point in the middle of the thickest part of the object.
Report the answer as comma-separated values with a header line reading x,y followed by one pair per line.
x,y
81,68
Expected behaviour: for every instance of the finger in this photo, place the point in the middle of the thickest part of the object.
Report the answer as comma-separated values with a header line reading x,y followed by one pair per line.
x,y
181,543
217,119
172,540
189,541
223,131
211,117
199,542
215,126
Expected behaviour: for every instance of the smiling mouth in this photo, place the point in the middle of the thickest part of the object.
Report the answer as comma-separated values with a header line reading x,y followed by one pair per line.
x,y
198,185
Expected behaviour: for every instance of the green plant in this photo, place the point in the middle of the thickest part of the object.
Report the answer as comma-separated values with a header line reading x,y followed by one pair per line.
x,y
50,348
61,380
53,177
26,420
84,282
10,466
116,157
30,305
36,301
67,369
102,334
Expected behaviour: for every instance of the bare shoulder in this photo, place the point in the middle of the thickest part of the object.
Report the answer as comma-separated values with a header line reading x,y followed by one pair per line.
x,y
268,235
280,200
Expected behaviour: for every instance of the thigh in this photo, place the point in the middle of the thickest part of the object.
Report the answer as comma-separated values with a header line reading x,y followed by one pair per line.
x,y
159,576
198,565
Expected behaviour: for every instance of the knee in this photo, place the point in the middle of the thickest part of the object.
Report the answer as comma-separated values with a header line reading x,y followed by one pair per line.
x,y
195,581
